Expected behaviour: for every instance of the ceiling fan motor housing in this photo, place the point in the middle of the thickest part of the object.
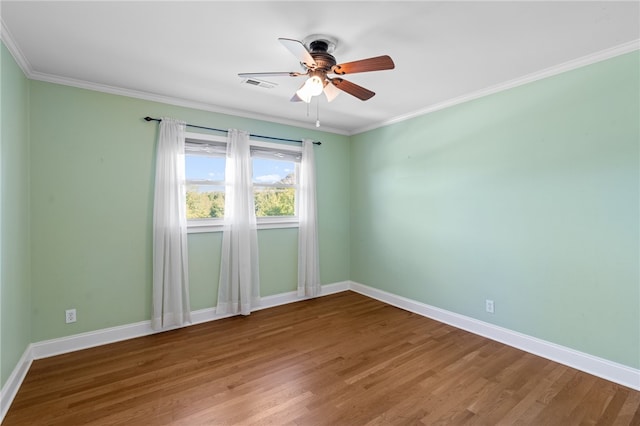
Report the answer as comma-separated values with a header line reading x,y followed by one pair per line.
x,y
319,50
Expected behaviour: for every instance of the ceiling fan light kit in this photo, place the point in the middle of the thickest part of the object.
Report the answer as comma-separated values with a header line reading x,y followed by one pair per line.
x,y
312,87
314,54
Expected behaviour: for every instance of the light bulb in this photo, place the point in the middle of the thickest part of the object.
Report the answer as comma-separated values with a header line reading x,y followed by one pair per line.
x,y
315,85
312,87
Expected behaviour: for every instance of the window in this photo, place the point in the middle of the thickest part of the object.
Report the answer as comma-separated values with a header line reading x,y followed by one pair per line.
x,y
204,173
275,182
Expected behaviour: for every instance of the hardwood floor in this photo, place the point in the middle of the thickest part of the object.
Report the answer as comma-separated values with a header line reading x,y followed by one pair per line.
x,y
343,359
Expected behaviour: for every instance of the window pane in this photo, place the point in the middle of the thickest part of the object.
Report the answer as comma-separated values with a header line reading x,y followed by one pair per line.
x,y
270,199
201,167
273,171
205,201
274,201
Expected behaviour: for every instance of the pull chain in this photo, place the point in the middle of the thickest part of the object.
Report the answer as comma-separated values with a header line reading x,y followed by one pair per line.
x,y
318,112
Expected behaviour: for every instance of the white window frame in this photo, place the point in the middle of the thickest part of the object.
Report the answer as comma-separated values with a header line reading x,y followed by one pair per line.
x,y
217,224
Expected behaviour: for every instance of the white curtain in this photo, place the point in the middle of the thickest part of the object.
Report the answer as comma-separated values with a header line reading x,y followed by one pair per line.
x,y
239,286
170,265
308,254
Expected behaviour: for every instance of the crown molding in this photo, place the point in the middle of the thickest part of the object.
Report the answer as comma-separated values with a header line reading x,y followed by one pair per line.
x,y
593,58
49,78
529,78
14,49
30,73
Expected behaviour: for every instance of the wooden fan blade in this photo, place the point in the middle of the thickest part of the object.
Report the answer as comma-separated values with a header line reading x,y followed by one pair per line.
x,y
372,64
353,89
299,51
269,74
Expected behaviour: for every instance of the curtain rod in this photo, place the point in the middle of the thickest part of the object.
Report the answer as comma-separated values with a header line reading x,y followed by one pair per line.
x,y
225,131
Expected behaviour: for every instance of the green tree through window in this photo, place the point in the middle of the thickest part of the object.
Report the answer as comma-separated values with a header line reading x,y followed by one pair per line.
x,y
202,205
276,201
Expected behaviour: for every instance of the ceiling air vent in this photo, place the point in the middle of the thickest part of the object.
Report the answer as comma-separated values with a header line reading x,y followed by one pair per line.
x,y
259,83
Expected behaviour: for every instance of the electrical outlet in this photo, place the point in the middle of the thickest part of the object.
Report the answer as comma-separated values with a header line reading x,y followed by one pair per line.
x,y
70,316
489,306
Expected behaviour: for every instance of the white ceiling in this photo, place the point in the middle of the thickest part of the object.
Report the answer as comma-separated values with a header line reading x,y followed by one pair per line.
x,y
189,53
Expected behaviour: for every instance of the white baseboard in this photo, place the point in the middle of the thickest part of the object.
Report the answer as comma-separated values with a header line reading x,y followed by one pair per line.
x,y
76,342
292,296
14,381
600,367
91,339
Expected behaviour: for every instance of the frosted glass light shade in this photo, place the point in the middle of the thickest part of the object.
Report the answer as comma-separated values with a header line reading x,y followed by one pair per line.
x,y
312,87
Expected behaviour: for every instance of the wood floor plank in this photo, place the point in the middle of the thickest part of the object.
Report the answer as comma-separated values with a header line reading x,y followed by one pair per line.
x,y
343,359
529,405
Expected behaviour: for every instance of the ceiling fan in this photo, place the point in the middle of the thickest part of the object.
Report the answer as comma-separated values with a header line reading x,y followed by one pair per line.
x,y
317,62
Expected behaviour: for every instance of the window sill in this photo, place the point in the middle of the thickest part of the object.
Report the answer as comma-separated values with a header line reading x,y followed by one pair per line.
x,y
203,226
198,227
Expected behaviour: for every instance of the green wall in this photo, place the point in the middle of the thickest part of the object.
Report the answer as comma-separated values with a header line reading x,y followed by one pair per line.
x,y
92,174
528,197
15,284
